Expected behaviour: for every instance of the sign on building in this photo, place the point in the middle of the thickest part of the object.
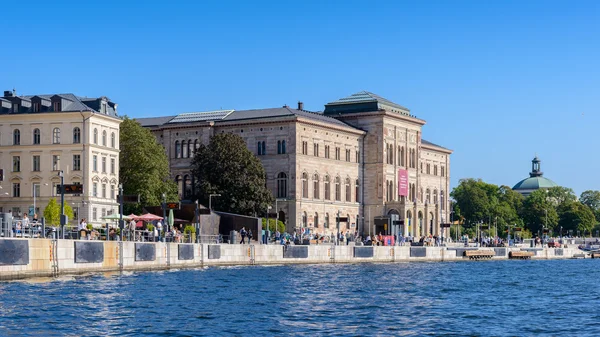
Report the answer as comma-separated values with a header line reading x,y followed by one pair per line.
x,y
403,182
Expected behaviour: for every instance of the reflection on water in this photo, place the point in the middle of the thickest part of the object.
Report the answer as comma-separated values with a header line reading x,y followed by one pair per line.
x,y
497,298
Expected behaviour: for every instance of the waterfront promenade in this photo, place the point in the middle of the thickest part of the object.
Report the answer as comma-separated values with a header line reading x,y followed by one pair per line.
x,y
24,258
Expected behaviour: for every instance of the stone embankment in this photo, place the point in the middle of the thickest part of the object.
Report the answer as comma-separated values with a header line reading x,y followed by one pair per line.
x,y
24,258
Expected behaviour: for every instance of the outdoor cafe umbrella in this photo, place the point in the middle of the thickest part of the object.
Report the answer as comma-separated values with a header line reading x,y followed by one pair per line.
x,y
148,217
115,216
171,219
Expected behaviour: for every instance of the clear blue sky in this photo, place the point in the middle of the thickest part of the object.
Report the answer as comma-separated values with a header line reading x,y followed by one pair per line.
x,y
497,81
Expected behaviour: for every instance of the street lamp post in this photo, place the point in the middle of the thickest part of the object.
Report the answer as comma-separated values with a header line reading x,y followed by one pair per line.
x,y
63,221
121,224
267,231
337,220
164,207
198,223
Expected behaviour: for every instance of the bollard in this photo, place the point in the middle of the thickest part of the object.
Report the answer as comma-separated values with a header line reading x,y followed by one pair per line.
x,y
43,233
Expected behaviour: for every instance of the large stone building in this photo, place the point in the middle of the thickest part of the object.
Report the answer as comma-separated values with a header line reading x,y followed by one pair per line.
x,y
362,158
42,135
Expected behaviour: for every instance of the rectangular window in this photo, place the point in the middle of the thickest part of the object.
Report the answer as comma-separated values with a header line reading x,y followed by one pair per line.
x,y
112,192
348,155
112,165
358,156
337,153
104,191
94,213
95,163
304,147
443,171
36,163
36,107
103,212
95,190
56,106
16,190
76,162
316,150
326,151
103,164
16,164
56,162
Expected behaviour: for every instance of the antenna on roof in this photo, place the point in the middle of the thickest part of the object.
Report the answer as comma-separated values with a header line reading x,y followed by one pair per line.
x,y
14,91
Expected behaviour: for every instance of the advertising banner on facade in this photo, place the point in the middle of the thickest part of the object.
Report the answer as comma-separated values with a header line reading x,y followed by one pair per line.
x,y
402,182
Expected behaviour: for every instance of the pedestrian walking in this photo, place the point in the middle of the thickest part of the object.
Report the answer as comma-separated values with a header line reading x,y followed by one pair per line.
x,y
243,235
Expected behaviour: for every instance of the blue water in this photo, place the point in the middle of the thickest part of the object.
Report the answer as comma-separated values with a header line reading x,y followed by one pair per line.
x,y
495,298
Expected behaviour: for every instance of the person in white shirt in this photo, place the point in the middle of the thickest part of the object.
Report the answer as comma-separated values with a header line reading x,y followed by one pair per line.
x,y
82,229
159,226
132,225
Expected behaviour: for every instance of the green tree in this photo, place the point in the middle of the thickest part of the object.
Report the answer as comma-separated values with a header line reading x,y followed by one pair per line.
x,y
561,195
539,210
52,212
280,225
143,167
227,167
592,200
577,216
473,199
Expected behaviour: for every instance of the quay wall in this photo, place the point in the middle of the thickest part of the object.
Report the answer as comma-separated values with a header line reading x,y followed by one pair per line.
x,y
24,258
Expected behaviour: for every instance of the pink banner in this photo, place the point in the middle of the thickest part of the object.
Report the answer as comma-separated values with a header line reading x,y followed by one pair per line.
x,y
402,182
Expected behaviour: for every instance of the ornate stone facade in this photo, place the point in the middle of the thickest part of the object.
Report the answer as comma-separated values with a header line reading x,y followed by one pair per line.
x,y
344,161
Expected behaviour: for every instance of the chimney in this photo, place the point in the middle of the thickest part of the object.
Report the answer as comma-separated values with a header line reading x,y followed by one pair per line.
x,y
8,93
300,105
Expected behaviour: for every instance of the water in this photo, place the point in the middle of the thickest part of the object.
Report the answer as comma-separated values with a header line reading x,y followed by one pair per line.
x,y
495,298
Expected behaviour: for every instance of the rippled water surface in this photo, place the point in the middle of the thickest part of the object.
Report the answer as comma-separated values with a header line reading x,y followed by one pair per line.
x,y
495,298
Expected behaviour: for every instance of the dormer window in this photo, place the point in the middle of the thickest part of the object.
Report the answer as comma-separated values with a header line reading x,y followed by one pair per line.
x,y
36,107
103,107
16,107
56,106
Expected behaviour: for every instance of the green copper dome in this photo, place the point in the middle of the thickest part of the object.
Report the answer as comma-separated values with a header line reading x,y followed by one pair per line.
x,y
534,183
535,180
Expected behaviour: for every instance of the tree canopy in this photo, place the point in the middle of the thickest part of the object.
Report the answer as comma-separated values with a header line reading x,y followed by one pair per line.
x,y
225,166
480,202
144,167
52,212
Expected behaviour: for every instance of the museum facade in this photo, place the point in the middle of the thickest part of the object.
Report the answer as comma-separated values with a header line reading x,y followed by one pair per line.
x,y
362,159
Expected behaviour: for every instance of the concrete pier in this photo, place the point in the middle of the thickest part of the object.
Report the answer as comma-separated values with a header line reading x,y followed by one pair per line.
x,y
24,258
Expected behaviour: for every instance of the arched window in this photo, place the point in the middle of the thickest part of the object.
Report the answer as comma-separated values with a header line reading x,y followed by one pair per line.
x,y
113,140
36,136
184,149
76,135
326,220
187,186
304,185
428,196
189,149
435,199
348,191
104,138
283,147
316,220
338,189
264,147
304,219
17,137
56,136
357,191
281,185
327,188
96,136
278,147
401,156
196,145
316,194
177,149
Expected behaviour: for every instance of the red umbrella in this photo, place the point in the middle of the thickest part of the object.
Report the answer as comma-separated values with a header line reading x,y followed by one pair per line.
x,y
148,217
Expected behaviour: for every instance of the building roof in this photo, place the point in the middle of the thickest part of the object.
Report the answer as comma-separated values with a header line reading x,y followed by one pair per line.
x,y
236,115
205,116
154,121
364,101
69,103
423,141
534,183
